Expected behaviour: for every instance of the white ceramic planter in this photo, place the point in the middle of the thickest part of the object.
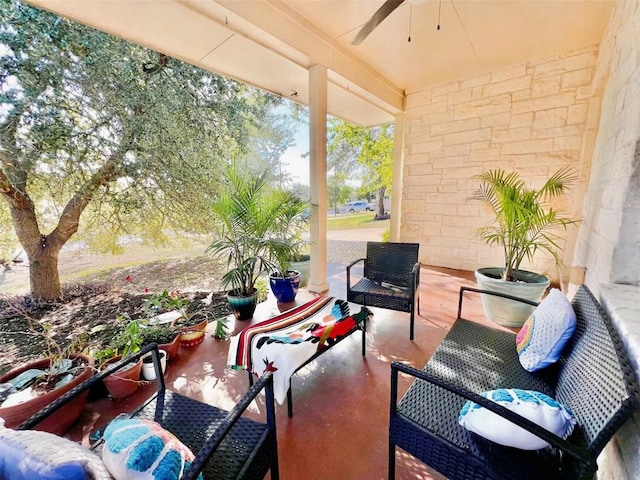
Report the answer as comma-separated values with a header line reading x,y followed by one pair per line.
x,y
148,369
304,268
505,312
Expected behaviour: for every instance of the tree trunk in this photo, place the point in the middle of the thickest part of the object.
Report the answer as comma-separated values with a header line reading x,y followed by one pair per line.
x,y
381,192
43,272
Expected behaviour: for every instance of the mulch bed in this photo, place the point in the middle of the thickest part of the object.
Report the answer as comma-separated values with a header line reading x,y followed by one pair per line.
x,y
92,307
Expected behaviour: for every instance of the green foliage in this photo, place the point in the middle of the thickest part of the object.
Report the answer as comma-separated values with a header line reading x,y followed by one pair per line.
x,y
127,342
355,220
372,148
157,334
221,332
524,219
262,285
93,126
267,143
254,221
339,191
162,302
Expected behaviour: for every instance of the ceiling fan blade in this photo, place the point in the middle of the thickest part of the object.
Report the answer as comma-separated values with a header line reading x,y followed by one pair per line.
x,y
387,7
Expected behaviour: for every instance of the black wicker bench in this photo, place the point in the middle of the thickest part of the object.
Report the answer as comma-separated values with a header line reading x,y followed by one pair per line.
x,y
593,378
226,444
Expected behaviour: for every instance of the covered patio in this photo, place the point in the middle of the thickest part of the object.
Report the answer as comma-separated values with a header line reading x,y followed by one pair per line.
x,y
340,418
519,85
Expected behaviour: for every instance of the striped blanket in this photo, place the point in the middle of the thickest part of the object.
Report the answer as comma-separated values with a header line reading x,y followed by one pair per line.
x,y
284,343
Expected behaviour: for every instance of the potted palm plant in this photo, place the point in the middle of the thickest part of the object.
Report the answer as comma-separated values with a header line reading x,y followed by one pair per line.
x,y
245,212
524,223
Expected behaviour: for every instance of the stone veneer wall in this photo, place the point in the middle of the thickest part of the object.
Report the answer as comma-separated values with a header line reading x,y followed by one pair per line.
x,y
582,107
608,245
531,117
609,238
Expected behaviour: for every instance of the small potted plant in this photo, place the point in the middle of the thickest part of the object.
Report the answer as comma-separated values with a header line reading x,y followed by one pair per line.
x,y
125,381
524,223
190,324
167,337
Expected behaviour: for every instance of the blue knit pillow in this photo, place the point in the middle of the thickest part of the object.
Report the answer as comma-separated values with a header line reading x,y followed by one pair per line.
x,y
137,449
545,333
535,406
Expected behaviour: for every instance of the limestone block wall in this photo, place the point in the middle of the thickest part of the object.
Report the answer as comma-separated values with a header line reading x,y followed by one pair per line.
x,y
530,117
608,246
609,238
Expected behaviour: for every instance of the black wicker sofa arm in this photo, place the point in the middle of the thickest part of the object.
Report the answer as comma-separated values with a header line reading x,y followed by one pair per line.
x,y
349,267
581,455
489,292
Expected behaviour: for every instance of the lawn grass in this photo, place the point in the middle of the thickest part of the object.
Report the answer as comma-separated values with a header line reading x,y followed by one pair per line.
x,y
355,220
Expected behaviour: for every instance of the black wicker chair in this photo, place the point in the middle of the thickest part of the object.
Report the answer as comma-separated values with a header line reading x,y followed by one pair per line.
x,y
391,278
593,378
227,445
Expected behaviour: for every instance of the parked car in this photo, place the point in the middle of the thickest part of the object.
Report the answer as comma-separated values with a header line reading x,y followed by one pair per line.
x,y
358,206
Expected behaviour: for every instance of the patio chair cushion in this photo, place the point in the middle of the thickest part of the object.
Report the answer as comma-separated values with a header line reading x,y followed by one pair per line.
x,y
546,332
140,449
536,406
36,455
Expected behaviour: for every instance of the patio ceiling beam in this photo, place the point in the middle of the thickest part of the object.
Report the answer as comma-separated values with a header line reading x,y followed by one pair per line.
x,y
291,29
257,42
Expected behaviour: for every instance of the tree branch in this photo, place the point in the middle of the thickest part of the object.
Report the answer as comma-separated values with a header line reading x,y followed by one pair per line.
x,y
70,218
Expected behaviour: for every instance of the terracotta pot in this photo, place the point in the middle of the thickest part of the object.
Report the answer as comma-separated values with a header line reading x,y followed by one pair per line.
x,y
193,335
123,382
60,421
171,348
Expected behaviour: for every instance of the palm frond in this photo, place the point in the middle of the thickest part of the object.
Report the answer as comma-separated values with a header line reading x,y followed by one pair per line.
x,y
523,221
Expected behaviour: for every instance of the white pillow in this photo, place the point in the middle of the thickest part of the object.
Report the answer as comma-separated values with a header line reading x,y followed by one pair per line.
x,y
535,406
545,333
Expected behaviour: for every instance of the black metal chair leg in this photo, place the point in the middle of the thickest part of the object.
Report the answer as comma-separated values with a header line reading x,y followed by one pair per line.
x,y
289,401
392,461
364,337
411,320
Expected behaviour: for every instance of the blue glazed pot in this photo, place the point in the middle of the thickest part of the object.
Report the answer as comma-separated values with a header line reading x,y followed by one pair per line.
x,y
285,289
243,307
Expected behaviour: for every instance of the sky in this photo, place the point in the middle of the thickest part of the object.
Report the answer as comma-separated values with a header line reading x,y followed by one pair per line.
x,y
293,162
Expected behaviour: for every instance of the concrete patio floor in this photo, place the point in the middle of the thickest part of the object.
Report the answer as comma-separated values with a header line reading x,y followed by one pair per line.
x,y
340,401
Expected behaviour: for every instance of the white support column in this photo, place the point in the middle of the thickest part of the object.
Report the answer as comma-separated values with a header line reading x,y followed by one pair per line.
x,y
318,177
398,171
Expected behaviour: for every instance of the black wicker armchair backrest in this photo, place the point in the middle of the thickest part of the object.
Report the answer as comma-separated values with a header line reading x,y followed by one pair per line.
x,y
390,262
596,379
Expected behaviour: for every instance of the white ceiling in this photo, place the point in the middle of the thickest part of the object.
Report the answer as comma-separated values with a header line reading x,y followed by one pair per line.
x,y
271,44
